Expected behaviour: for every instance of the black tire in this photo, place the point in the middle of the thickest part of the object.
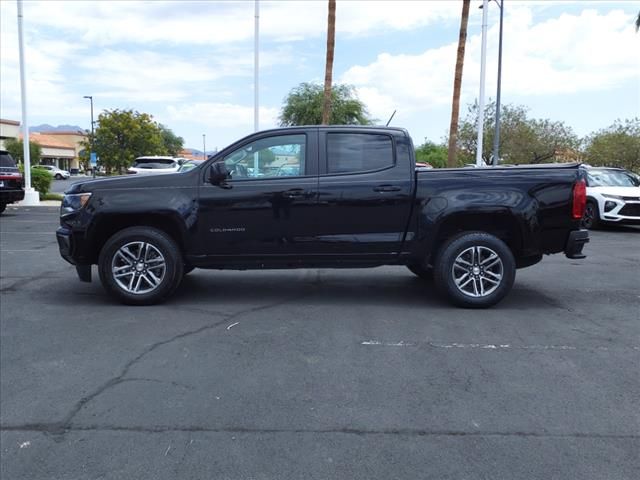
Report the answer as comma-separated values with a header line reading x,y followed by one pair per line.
x,y
163,251
58,176
3,206
591,217
422,272
475,249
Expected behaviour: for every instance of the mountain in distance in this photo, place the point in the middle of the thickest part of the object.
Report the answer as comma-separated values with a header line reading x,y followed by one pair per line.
x,y
45,128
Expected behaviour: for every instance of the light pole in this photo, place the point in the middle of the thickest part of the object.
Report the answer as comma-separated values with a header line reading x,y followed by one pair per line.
x,y
496,137
93,167
204,147
483,62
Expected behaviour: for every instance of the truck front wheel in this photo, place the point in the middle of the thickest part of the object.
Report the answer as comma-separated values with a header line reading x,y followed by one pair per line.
x,y
475,270
140,265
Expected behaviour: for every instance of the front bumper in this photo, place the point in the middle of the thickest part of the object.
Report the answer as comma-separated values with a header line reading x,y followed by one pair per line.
x,y
575,243
66,247
65,244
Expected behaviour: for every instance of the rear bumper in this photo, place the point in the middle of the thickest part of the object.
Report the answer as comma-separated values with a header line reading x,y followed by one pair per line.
x,y
575,243
10,196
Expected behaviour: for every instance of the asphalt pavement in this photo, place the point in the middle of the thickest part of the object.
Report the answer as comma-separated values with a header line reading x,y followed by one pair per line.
x,y
318,374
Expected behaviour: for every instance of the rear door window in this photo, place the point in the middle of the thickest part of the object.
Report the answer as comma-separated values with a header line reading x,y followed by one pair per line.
x,y
358,152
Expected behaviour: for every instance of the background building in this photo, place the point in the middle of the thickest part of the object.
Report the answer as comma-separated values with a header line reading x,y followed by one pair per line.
x,y
59,148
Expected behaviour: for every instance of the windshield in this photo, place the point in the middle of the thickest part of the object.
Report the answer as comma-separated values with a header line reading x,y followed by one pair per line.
x,y
153,163
6,160
611,178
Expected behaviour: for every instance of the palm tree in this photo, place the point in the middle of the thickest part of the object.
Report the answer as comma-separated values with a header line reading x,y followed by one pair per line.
x,y
328,72
457,82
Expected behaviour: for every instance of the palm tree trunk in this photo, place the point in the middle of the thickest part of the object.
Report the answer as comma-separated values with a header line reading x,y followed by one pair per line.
x,y
457,82
328,72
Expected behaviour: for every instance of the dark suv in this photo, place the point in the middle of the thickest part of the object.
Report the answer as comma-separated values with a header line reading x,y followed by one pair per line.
x,y
11,185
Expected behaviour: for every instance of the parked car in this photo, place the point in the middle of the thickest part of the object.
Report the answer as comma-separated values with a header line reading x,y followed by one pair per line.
x,y
55,172
613,197
358,201
11,185
154,165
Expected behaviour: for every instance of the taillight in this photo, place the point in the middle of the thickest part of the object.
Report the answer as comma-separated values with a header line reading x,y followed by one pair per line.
x,y
579,199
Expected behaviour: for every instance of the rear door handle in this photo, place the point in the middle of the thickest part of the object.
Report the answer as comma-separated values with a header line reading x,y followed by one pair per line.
x,y
386,188
294,193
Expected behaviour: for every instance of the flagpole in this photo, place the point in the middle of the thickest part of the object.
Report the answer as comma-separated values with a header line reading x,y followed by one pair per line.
x,y
483,62
31,197
256,66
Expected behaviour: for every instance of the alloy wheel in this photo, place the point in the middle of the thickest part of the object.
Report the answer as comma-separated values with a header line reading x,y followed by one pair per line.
x,y
477,271
138,267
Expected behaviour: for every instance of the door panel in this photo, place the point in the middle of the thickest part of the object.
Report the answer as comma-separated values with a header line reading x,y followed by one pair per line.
x,y
267,203
361,212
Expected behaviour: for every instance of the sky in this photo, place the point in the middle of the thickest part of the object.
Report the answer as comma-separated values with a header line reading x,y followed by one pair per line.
x,y
190,64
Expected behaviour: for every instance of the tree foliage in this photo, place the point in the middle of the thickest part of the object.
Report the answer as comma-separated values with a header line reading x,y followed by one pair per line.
x,y
432,153
303,106
15,148
173,144
522,139
123,135
615,146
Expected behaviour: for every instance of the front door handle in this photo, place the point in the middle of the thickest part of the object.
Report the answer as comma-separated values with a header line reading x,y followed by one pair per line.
x,y
386,188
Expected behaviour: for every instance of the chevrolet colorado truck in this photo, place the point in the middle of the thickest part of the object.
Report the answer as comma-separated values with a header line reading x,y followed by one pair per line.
x,y
323,197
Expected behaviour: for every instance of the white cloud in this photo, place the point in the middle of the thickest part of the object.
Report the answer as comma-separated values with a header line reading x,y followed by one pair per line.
x,y
564,55
217,23
225,115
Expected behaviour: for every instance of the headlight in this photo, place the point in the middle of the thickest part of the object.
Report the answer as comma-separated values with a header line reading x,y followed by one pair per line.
x,y
616,197
74,202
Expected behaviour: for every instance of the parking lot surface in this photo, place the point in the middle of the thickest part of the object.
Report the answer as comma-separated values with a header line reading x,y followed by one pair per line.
x,y
318,374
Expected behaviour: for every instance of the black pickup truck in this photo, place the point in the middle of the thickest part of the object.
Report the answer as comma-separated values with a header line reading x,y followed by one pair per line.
x,y
337,197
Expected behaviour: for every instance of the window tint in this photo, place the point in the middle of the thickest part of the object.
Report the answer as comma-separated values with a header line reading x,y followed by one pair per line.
x,y
358,152
281,156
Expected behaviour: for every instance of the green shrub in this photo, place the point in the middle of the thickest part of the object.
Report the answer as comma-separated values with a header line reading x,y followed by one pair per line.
x,y
51,196
40,179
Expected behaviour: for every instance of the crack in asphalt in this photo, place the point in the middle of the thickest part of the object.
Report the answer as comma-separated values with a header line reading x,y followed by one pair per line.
x,y
410,432
15,286
61,427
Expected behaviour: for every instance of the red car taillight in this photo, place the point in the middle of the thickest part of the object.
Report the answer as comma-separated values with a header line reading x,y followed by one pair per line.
x,y
579,199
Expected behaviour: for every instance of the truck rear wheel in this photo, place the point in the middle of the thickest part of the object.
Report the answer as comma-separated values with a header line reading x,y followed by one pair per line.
x,y
475,270
140,266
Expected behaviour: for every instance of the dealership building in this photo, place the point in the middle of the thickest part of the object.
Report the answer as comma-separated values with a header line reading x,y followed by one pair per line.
x,y
61,149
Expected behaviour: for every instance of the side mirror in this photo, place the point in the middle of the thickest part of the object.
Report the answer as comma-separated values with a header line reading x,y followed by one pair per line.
x,y
218,173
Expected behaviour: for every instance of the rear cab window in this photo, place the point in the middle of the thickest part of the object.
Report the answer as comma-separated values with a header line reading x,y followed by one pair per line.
x,y
358,152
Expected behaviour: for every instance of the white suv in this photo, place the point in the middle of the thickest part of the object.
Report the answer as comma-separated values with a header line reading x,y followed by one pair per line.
x,y
613,196
154,165
55,171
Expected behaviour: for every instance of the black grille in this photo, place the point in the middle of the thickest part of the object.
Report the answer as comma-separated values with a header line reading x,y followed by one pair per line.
x,y
631,210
